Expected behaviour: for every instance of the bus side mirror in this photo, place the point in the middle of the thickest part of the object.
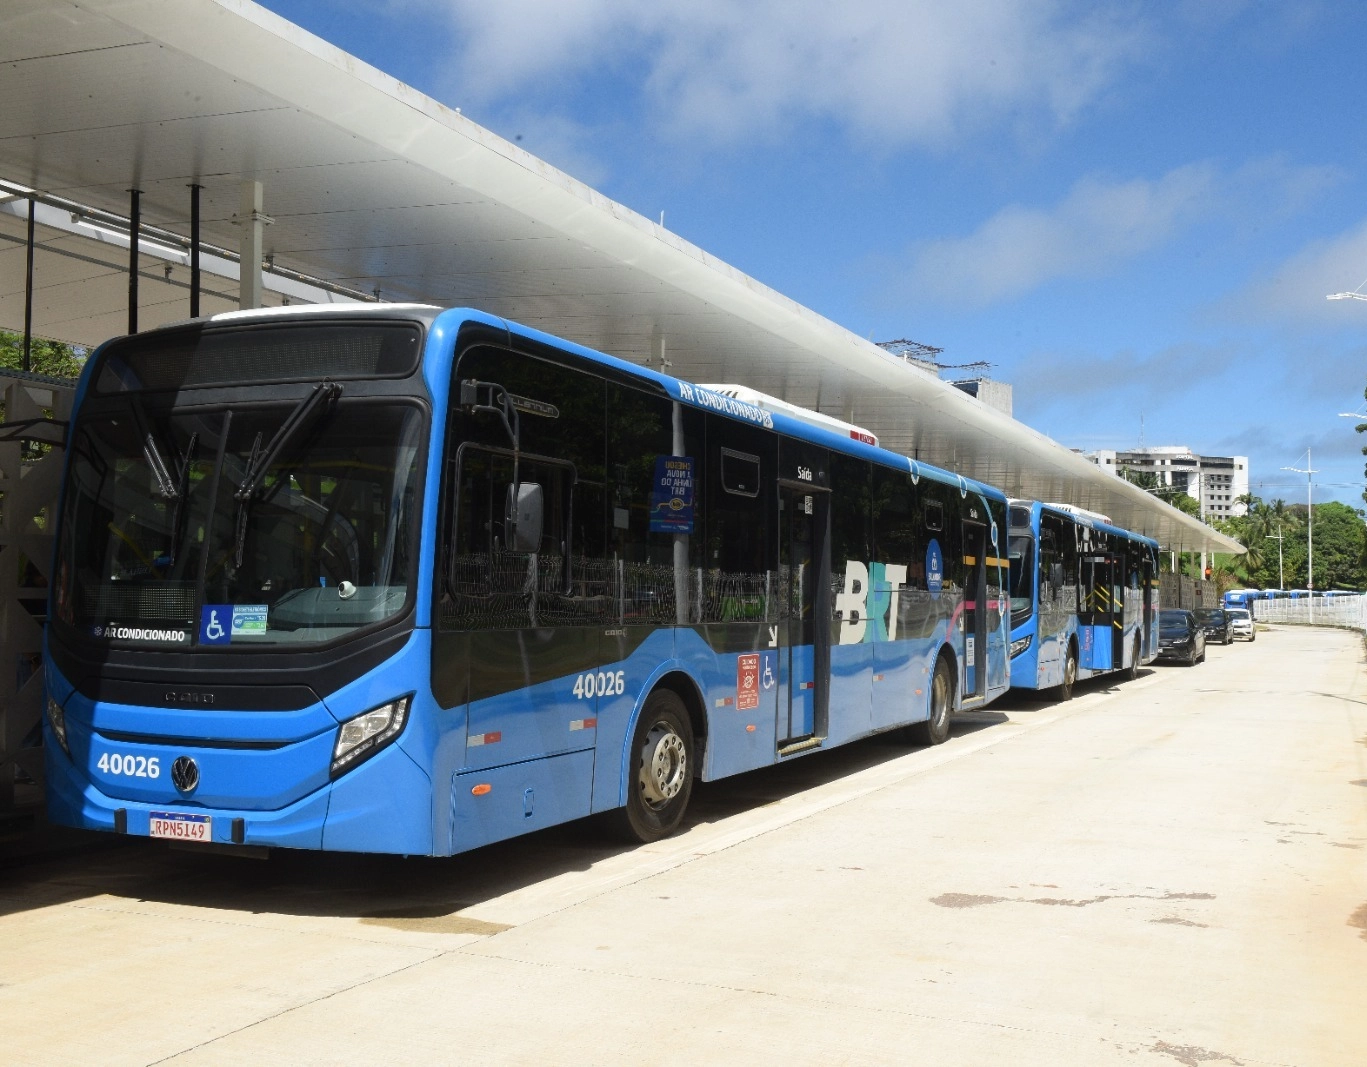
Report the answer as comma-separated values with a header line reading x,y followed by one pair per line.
x,y
525,509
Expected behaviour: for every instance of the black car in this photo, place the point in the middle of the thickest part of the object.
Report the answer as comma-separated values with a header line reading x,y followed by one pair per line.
x,y
1217,623
1180,637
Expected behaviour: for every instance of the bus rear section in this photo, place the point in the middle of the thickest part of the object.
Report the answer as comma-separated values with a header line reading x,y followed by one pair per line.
x,y
1084,597
407,581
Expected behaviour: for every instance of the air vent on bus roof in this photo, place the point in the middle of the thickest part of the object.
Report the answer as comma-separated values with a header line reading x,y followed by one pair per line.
x,y
782,407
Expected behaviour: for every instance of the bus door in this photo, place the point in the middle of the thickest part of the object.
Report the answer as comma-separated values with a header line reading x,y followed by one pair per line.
x,y
1149,579
804,633
1096,645
1121,600
975,611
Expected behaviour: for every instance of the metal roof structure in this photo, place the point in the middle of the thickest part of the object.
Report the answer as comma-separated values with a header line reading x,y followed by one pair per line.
x,y
372,187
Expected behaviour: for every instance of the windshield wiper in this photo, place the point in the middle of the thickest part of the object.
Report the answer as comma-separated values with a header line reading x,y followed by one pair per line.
x,y
181,491
260,460
152,453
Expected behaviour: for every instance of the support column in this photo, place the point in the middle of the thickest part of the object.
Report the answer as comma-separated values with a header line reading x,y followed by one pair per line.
x,y
252,221
194,251
134,239
28,290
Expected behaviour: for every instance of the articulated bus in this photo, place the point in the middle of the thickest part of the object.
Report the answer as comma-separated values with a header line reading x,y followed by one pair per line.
x,y
398,579
1084,597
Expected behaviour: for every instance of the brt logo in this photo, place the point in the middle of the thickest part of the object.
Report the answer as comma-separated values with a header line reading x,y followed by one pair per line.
x,y
868,606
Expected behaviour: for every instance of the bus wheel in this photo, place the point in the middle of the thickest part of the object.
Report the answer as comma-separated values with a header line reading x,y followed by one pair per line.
x,y
1133,672
1065,689
935,730
661,772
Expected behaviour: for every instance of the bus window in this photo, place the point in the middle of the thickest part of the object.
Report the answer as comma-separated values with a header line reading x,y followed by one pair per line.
x,y
1022,577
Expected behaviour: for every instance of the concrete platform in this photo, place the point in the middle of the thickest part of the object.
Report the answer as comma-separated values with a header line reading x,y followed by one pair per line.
x,y
1169,871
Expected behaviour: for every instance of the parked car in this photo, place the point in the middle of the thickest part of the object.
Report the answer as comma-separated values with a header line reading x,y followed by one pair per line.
x,y
1217,624
1242,623
1180,637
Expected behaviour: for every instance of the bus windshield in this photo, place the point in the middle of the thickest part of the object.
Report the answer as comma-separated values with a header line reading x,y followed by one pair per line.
x,y
214,527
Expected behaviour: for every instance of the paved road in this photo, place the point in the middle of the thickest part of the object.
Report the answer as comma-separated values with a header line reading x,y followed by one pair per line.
x,y
1169,871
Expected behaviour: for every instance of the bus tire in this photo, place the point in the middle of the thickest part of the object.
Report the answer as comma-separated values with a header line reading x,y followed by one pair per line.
x,y
1133,672
660,772
935,730
1065,688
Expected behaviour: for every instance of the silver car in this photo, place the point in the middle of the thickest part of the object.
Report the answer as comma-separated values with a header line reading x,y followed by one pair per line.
x,y
1243,623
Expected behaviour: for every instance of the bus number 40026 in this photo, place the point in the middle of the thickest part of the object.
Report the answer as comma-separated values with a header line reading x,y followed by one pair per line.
x,y
131,766
602,684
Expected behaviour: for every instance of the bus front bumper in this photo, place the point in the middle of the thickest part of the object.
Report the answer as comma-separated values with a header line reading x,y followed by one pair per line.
x,y
377,807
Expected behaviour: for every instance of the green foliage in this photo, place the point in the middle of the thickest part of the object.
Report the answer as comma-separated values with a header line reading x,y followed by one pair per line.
x,y
1362,428
1178,498
1339,547
52,358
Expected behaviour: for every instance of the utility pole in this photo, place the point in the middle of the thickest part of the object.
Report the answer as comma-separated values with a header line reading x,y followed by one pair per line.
x,y
1281,580
1309,472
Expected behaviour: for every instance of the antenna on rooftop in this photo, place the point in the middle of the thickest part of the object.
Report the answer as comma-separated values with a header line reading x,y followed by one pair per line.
x,y
924,356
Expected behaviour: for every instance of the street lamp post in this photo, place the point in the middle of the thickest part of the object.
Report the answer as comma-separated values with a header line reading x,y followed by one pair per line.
x,y
1309,472
1281,578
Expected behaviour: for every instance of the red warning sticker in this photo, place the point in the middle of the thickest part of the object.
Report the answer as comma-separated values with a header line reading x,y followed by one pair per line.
x,y
747,682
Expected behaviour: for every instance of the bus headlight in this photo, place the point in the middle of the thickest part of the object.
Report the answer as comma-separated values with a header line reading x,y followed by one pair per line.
x,y
361,737
1019,646
56,718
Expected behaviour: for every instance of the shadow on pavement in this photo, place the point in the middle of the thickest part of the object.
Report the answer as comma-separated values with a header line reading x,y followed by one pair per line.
x,y
302,883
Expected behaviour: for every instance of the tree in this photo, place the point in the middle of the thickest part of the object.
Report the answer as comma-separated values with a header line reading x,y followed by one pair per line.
x,y
52,358
1339,547
1169,494
1362,428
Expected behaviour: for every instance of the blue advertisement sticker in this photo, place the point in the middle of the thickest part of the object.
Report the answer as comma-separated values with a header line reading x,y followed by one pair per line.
x,y
215,624
935,569
671,495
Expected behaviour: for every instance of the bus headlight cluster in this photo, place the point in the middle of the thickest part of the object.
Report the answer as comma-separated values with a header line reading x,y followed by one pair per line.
x,y
56,718
1019,646
361,737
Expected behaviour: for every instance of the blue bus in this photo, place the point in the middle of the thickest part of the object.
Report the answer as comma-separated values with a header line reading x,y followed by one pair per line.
x,y
1084,597
1246,598
398,579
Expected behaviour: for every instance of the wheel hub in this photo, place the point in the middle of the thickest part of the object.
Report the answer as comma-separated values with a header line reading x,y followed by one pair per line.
x,y
664,766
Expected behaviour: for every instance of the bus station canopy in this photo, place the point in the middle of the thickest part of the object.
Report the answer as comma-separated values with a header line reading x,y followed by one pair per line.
x,y
372,188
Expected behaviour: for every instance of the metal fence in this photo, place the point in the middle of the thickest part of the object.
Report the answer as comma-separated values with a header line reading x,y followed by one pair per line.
x,y
1179,591
1346,611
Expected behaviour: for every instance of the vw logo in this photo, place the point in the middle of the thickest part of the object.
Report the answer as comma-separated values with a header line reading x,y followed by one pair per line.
x,y
185,774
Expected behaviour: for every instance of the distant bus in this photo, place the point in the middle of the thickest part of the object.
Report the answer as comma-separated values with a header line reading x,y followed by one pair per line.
x,y
397,579
1084,597
1246,598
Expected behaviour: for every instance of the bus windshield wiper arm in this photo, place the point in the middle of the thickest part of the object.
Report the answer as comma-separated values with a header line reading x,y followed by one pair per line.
x,y
182,491
152,452
261,458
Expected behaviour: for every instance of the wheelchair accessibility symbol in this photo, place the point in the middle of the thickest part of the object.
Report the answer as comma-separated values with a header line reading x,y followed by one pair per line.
x,y
212,631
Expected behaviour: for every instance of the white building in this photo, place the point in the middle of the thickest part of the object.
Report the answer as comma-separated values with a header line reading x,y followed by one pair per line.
x,y
1215,482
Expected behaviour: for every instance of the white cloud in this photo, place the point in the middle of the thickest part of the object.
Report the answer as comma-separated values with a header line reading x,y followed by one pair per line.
x,y
1297,289
1096,225
893,71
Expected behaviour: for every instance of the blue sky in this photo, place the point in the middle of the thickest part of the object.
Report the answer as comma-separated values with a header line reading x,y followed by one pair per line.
x,y
1126,208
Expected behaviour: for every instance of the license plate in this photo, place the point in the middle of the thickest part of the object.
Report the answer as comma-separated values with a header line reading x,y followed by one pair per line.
x,y
179,826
